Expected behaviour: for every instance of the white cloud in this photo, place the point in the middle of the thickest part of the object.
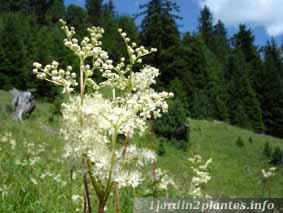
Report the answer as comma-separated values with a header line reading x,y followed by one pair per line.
x,y
266,13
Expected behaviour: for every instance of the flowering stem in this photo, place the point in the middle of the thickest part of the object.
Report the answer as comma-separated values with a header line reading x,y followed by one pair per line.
x,y
263,187
125,146
117,198
82,79
87,199
109,182
101,206
154,164
93,181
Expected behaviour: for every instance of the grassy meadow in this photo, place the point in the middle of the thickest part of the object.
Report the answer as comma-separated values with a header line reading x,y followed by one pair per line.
x,y
35,178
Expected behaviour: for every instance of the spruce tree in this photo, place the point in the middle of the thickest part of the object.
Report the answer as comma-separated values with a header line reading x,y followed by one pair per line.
x,y
272,90
206,27
196,76
56,11
244,107
77,17
41,8
244,40
216,89
109,7
159,30
221,45
14,6
14,52
94,11
158,27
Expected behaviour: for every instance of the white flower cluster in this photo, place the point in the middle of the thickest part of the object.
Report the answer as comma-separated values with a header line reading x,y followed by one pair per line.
x,y
201,178
93,121
52,73
8,138
164,180
268,174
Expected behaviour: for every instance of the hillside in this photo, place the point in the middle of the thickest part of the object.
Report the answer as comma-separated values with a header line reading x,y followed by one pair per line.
x,y
33,176
235,171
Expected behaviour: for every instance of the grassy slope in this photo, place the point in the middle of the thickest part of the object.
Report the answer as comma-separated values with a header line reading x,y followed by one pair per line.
x,y
235,170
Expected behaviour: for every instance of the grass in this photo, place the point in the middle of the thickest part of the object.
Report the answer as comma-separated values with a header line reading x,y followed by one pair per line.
x,y
35,178
236,170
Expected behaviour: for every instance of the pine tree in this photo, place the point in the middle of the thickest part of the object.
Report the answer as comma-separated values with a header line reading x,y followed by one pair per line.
x,y
244,107
109,7
206,27
13,6
76,16
267,150
94,11
158,28
216,89
56,11
272,90
127,23
244,40
277,156
195,77
14,52
221,47
41,8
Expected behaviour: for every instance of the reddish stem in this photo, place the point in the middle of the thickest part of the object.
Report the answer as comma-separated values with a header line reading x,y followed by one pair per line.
x,y
86,196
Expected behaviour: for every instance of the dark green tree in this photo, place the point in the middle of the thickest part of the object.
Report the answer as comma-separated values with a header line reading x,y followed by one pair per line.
x,y
94,11
271,89
216,89
127,23
204,80
77,17
244,107
206,27
40,8
244,40
56,11
159,30
14,6
14,54
221,47
195,77
267,150
277,156
109,7
158,27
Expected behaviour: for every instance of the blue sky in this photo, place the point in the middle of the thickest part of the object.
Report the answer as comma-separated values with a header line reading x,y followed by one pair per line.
x,y
264,23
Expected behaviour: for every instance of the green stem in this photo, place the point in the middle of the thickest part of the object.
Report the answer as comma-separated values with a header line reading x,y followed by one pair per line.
x,y
82,82
109,182
94,182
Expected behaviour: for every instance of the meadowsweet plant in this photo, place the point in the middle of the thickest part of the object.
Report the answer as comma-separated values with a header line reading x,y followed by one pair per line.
x,y
164,181
92,120
201,177
266,179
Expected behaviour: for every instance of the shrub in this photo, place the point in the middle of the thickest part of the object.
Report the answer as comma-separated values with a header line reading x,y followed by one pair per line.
x,y
267,149
240,142
161,149
277,156
168,124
